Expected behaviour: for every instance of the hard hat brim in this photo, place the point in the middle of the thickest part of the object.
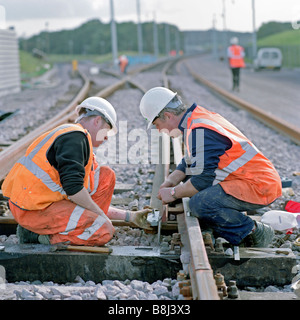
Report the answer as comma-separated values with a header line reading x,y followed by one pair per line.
x,y
150,123
113,130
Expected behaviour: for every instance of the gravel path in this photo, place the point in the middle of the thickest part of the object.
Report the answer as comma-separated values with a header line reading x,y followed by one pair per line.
x,y
36,105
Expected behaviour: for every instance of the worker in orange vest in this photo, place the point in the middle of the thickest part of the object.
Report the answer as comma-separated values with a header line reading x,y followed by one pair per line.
x,y
223,172
123,63
235,55
58,193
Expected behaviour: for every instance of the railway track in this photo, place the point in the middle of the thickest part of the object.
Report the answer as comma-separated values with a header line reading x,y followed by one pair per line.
x,y
202,284
271,120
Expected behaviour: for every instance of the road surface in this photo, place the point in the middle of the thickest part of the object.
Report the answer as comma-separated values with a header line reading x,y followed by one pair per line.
x,y
276,92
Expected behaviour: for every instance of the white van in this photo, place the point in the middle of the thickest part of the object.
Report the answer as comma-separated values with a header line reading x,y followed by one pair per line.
x,y
269,58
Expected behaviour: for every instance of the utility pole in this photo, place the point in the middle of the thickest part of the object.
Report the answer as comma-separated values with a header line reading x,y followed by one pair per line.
x,y
254,45
47,43
139,28
114,41
214,39
167,39
225,40
177,41
155,37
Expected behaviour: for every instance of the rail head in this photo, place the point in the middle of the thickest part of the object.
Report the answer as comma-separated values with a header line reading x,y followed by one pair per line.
x,y
201,274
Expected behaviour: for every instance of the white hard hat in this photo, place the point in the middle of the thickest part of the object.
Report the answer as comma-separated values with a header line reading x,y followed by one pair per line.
x,y
153,101
102,106
234,40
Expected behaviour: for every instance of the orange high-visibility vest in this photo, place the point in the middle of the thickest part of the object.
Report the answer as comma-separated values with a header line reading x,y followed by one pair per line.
x,y
243,171
32,183
123,63
236,56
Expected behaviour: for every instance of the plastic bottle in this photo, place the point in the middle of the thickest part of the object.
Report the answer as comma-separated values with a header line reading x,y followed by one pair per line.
x,y
281,220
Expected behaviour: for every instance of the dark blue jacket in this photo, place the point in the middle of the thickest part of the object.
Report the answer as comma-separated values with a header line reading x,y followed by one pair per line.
x,y
214,147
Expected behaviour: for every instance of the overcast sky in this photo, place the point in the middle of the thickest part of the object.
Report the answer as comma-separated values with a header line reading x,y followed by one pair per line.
x,y
31,16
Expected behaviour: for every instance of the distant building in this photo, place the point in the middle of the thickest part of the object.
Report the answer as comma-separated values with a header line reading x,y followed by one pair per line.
x,y
9,62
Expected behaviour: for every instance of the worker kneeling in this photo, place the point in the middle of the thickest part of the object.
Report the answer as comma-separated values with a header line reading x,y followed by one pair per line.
x,y
223,172
57,192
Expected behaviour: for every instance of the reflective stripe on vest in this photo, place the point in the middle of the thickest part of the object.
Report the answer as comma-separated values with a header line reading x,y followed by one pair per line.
x,y
250,150
27,162
235,52
96,181
235,55
41,174
33,183
243,171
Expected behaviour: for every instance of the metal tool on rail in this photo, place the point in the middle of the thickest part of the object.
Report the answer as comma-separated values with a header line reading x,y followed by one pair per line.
x,y
154,218
62,247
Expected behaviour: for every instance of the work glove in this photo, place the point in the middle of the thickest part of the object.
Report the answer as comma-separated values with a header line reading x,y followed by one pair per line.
x,y
139,218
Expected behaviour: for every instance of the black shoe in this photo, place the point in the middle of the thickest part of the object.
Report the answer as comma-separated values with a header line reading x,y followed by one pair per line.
x,y
26,236
261,238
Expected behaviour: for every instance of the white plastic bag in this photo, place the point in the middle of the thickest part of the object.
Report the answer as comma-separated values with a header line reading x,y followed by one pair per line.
x,y
280,220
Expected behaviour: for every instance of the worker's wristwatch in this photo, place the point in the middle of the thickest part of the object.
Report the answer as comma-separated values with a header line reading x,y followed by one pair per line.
x,y
173,193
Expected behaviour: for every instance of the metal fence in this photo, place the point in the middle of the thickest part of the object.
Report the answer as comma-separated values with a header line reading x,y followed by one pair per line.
x,y
9,63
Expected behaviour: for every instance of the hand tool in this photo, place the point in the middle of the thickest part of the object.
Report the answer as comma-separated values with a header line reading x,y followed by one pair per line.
x,y
60,246
154,218
270,251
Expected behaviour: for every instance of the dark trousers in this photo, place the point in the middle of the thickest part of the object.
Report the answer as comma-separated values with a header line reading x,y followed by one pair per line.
x,y
223,213
235,78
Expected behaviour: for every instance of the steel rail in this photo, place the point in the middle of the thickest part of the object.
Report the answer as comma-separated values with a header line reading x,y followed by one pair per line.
x,y
200,272
270,120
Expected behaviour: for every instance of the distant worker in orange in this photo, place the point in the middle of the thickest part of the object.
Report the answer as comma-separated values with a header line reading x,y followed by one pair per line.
x,y
236,61
123,63
58,192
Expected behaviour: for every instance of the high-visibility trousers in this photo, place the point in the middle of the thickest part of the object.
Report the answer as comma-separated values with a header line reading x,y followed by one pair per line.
x,y
65,221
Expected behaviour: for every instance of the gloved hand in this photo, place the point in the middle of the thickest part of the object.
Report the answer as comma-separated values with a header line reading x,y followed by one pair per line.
x,y
139,218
